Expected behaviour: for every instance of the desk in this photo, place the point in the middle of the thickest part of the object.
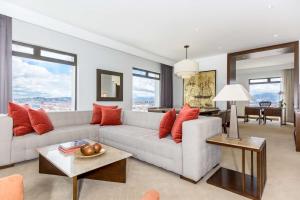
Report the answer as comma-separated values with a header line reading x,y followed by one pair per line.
x,y
240,182
203,111
265,112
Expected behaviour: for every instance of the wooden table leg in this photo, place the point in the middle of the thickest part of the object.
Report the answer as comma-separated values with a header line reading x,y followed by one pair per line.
x,y
75,188
264,165
252,164
258,184
243,169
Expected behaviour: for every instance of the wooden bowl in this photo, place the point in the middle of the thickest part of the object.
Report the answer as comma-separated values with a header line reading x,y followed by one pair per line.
x,y
78,154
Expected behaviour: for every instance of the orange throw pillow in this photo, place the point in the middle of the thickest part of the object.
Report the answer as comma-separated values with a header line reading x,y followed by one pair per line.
x,y
166,123
97,113
21,121
40,121
184,115
111,116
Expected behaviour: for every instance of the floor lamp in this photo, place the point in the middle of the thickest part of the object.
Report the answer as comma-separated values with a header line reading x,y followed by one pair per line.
x,y
233,93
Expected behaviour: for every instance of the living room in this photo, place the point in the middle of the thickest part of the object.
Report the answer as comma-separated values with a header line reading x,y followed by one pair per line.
x,y
142,100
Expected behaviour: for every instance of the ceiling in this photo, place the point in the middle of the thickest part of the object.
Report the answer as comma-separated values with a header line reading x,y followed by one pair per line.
x,y
163,27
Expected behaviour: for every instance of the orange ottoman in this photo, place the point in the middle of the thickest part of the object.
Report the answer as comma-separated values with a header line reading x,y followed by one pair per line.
x,y
11,188
151,195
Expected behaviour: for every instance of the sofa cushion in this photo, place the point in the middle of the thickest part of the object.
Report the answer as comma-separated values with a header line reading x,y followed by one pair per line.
x,y
24,147
148,120
70,118
145,145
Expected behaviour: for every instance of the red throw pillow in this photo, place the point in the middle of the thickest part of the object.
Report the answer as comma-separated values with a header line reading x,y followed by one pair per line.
x,y
184,115
97,113
21,121
40,121
111,116
166,123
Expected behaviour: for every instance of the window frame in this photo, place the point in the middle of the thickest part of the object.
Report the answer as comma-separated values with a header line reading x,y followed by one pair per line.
x,y
267,82
37,56
147,74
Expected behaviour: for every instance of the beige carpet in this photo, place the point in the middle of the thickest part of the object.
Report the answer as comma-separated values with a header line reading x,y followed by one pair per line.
x,y
283,181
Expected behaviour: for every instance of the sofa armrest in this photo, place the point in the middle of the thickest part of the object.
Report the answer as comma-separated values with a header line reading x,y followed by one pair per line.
x,y
11,187
198,156
6,134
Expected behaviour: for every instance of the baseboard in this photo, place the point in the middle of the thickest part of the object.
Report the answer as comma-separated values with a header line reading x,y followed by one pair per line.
x,y
190,180
7,166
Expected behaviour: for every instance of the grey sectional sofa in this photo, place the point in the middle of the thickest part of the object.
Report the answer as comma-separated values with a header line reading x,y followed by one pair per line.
x,y
138,135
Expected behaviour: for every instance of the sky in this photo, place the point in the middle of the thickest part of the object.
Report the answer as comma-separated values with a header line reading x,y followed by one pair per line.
x,y
143,87
265,88
34,78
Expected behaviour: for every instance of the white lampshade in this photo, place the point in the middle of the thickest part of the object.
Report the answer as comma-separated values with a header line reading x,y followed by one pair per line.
x,y
186,68
234,92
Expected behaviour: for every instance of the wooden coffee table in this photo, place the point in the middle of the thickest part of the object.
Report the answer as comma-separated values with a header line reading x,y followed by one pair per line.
x,y
111,166
240,182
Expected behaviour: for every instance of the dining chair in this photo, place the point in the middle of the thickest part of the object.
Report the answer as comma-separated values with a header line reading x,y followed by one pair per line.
x,y
223,115
265,103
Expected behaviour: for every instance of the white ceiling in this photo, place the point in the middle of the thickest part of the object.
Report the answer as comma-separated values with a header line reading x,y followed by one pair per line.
x,y
163,27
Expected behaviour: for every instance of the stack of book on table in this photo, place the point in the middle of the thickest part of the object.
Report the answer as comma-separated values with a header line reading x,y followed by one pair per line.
x,y
70,147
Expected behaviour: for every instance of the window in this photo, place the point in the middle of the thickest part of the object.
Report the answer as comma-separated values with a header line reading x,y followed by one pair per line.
x,y
265,89
145,91
43,78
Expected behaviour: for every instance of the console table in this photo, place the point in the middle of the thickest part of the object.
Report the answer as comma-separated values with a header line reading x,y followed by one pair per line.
x,y
203,111
240,182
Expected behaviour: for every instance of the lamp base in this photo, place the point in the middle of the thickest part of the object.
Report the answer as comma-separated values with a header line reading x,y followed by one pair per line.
x,y
233,129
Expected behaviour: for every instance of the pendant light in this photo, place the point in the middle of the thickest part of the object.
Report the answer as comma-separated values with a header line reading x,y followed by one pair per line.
x,y
186,68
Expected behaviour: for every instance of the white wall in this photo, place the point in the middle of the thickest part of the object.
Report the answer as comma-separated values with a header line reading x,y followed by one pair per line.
x,y
177,92
90,57
218,63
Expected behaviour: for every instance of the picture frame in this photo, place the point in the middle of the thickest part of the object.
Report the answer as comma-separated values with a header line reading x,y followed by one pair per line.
x,y
200,89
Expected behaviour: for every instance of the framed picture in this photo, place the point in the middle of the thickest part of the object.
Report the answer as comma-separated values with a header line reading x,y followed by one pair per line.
x,y
200,89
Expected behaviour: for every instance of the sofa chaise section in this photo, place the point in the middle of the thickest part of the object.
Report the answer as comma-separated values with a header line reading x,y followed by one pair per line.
x,y
192,158
144,144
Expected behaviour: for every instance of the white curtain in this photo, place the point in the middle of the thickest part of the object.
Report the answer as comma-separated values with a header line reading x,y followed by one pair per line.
x,y
5,62
288,93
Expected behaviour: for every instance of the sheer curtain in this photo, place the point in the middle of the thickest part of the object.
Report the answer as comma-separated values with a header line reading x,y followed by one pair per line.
x,y
5,62
288,93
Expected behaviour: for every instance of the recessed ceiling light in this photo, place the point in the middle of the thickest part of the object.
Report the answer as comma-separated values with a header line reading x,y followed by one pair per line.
x,y
197,29
275,35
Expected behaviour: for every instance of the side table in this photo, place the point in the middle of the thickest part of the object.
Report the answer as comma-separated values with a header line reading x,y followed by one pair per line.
x,y
240,182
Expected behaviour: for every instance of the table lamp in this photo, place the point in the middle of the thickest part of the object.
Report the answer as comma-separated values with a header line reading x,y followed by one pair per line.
x,y
233,93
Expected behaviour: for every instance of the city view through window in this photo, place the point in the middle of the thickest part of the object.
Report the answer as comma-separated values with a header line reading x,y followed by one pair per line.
x,y
265,91
145,92
43,84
